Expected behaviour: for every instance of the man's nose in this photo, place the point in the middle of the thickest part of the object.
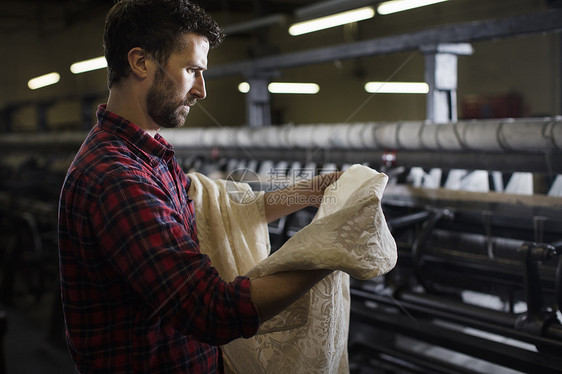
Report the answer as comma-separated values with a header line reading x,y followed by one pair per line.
x,y
198,90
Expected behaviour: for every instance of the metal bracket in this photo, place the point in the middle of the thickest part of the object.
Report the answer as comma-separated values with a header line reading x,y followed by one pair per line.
x,y
537,318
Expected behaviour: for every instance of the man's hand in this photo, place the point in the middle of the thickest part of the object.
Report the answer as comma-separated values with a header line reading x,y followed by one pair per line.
x,y
300,195
273,293
318,185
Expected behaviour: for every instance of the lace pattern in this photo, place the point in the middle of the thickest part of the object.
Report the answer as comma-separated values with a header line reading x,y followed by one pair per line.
x,y
348,234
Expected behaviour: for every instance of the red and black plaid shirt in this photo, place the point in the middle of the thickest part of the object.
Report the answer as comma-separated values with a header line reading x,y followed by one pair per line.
x,y
138,296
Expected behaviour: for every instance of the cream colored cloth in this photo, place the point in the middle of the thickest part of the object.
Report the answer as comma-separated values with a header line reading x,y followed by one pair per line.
x,y
349,233
231,225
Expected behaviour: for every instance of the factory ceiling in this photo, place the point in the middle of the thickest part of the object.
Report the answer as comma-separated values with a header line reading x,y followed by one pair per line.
x,y
44,16
48,17
48,35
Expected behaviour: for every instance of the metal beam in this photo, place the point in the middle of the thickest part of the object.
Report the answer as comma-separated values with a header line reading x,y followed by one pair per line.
x,y
254,24
545,21
441,76
324,8
504,162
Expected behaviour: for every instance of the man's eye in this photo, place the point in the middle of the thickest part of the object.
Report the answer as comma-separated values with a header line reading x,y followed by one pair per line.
x,y
190,70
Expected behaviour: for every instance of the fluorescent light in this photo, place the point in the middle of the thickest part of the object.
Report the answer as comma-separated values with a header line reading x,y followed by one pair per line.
x,y
244,87
397,87
293,88
43,80
338,19
400,5
88,65
284,87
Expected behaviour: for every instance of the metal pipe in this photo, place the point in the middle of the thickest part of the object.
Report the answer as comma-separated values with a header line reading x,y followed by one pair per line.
x,y
421,240
558,277
407,220
41,141
504,162
532,145
465,314
400,359
509,356
274,19
508,135
461,309
534,135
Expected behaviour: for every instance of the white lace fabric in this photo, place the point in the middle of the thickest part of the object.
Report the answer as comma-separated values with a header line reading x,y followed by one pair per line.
x,y
348,234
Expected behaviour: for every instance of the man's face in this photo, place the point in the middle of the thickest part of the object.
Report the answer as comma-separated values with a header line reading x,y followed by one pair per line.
x,y
179,84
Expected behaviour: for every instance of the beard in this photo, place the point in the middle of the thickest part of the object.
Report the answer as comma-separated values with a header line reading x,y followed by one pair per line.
x,y
162,103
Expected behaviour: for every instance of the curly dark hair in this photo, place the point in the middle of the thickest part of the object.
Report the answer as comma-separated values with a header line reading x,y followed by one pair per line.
x,y
155,26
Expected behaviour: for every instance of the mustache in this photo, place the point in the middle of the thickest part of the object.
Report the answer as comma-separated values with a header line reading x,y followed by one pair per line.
x,y
190,101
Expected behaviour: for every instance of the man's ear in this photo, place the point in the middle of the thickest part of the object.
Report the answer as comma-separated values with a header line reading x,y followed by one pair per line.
x,y
139,62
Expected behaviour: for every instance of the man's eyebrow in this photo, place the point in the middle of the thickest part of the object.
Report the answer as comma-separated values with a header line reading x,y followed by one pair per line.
x,y
196,66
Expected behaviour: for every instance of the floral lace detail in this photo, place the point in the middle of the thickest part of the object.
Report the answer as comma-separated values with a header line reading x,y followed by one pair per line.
x,y
349,234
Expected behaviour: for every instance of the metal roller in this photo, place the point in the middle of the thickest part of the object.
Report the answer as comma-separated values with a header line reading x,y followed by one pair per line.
x,y
507,135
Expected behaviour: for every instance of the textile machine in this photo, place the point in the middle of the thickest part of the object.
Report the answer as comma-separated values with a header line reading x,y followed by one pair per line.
x,y
475,208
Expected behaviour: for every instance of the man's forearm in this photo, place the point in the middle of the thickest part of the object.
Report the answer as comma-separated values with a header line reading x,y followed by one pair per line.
x,y
286,201
273,293
300,195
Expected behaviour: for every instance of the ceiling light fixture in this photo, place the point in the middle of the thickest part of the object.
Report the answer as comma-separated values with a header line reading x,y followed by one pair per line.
x,y
395,6
88,65
43,80
333,20
327,7
397,87
293,88
244,87
285,88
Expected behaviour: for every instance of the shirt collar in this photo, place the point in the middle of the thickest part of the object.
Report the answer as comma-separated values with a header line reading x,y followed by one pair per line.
x,y
155,146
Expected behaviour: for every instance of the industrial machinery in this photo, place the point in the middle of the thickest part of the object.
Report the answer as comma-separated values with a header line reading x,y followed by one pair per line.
x,y
475,208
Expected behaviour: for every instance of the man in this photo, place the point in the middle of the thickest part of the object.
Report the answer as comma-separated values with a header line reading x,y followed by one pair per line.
x,y
138,296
